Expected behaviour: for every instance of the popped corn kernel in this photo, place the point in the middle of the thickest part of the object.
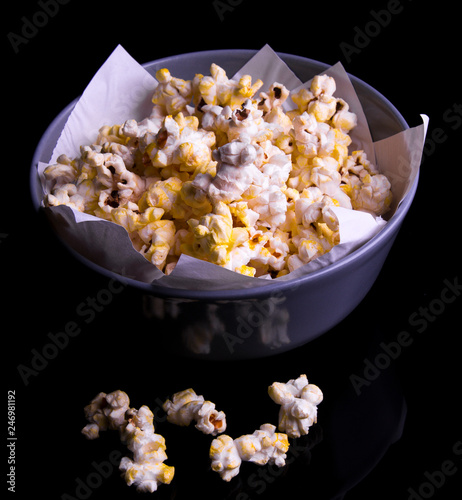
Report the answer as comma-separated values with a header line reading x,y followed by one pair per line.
x,y
298,400
264,446
368,190
217,89
105,411
133,220
159,237
344,119
173,94
236,171
309,244
274,98
145,468
186,406
60,173
246,270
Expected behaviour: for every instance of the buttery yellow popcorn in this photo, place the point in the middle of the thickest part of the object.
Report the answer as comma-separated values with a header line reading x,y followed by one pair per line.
x,y
146,468
186,406
217,89
219,171
264,446
173,94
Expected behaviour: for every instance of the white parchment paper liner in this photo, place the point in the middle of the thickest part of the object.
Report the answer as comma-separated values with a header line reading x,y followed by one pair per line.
x,y
122,89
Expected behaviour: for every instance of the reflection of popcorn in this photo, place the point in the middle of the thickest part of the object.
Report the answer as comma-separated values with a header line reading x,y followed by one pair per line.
x,y
186,406
136,429
262,447
217,164
298,400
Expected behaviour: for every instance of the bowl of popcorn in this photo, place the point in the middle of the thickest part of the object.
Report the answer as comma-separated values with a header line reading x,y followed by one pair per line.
x,y
251,197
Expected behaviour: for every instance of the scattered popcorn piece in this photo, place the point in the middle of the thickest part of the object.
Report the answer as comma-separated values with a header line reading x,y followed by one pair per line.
x,y
186,406
146,469
263,446
106,411
136,429
298,400
222,173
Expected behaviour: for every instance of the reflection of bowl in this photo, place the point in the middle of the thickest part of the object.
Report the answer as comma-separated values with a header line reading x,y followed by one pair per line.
x,y
282,315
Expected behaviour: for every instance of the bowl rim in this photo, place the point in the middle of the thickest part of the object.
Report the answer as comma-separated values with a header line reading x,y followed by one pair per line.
x,y
274,287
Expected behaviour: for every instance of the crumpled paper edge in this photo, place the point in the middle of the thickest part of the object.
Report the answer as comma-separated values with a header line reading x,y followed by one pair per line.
x,y
189,272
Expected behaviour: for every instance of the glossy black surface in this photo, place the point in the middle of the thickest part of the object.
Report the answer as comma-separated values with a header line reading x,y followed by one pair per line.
x,y
400,437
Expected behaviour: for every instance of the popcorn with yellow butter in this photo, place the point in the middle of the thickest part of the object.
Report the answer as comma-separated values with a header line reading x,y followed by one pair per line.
x,y
369,190
145,468
218,89
172,94
186,406
221,172
264,446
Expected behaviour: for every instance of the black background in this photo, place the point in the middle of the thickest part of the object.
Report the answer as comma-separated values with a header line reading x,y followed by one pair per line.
x,y
401,428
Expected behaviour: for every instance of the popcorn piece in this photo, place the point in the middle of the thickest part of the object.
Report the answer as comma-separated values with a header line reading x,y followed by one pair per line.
x,y
225,457
262,447
159,237
369,191
106,411
325,175
62,172
217,89
298,400
213,235
136,429
344,119
187,406
236,171
275,97
243,123
180,142
171,93
271,205
146,469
